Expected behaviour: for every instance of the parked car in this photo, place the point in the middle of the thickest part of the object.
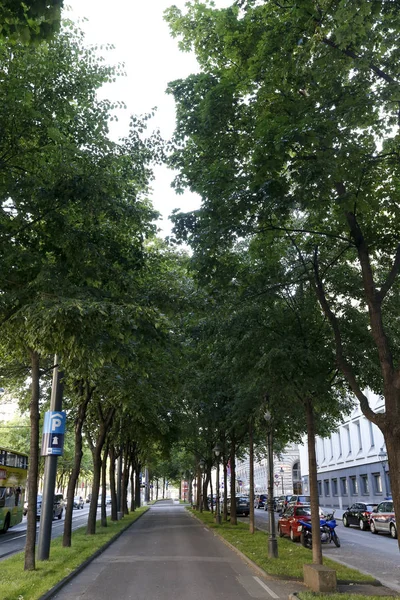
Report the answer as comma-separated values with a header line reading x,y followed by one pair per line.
x,y
260,500
282,501
383,519
242,505
288,521
298,500
88,498
358,514
275,500
58,506
78,502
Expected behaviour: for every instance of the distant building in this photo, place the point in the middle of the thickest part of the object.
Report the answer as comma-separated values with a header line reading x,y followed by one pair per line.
x,y
349,462
287,473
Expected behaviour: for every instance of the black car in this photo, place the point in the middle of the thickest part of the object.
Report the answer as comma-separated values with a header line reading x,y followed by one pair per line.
x,y
358,514
260,500
242,505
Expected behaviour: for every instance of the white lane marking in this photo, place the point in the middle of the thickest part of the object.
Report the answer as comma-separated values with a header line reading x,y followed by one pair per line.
x,y
14,538
266,588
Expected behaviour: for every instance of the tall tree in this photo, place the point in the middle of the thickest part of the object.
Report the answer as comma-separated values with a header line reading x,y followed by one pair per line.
x,y
292,126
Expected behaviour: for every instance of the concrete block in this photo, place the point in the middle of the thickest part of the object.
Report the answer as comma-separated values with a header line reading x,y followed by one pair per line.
x,y
319,578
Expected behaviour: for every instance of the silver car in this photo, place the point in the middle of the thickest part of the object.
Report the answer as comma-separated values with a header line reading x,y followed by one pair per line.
x,y
383,519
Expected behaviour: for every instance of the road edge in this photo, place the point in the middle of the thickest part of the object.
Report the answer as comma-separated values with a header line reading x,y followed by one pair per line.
x,y
58,586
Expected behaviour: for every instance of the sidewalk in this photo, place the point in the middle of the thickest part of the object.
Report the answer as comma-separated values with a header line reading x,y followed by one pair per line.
x,y
167,554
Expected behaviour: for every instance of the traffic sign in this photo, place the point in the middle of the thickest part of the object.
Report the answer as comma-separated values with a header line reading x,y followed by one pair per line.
x,y
53,432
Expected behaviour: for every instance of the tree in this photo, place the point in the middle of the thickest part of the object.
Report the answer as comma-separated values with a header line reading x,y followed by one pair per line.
x,y
293,127
29,21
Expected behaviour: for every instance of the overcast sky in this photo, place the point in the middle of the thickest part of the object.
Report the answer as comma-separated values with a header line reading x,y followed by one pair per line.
x,y
152,59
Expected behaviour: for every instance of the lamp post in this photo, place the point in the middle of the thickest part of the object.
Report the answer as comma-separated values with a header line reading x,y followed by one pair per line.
x,y
272,541
383,459
201,465
282,471
217,452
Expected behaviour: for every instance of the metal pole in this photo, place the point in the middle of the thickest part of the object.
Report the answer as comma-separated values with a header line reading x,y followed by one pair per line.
x,y
272,541
50,472
283,491
218,507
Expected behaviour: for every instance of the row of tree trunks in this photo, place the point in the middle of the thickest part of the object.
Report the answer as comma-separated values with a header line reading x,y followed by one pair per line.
x,y
85,392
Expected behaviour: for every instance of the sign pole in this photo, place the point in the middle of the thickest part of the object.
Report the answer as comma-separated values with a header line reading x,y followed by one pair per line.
x,y
53,434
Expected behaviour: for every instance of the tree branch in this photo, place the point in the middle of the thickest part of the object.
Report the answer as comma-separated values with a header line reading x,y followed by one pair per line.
x,y
343,364
394,271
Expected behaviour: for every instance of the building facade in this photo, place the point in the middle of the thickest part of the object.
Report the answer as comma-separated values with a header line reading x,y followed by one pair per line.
x,y
352,463
287,473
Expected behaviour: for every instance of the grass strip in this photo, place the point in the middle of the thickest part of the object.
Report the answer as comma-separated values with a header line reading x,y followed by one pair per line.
x,y
291,558
17,584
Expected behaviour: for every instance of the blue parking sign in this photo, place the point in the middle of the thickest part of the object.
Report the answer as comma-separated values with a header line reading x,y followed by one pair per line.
x,y
53,433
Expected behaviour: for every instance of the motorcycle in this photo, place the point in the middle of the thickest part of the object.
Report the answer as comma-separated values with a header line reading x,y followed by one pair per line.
x,y
327,530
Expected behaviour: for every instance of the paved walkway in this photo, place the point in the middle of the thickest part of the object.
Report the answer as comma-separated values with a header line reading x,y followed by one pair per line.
x,y
169,555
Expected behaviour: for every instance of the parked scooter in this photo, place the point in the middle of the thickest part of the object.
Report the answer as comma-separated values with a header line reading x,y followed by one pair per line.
x,y
327,530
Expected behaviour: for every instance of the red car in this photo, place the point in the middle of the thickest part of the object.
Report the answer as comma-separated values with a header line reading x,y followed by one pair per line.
x,y
288,521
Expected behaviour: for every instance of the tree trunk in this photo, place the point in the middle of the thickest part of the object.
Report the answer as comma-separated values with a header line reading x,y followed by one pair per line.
x,y
125,482
91,524
199,491
233,480
85,396
205,481
225,509
96,449
251,491
32,484
312,470
132,488
113,491
137,484
392,441
104,486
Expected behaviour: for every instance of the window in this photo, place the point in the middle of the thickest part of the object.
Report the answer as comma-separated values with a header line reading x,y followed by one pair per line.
x,y
339,438
371,434
354,485
359,439
364,485
331,447
334,487
377,483
296,471
319,488
327,487
348,438
343,485
323,449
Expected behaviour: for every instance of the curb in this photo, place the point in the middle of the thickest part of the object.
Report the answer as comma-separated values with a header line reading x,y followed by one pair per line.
x,y
57,587
248,560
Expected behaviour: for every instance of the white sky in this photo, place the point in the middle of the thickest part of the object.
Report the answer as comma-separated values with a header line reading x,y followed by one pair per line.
x,y
142,41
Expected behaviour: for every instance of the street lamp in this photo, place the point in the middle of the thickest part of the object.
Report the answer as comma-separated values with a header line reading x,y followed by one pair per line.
x,y
202,464
383,459
282,471
272,541
217,452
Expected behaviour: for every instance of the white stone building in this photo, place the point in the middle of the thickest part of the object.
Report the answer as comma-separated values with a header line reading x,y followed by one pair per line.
x,y
348,463
287,475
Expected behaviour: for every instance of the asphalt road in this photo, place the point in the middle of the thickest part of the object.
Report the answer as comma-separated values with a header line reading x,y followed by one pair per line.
x,y
169,554
377,555
14,540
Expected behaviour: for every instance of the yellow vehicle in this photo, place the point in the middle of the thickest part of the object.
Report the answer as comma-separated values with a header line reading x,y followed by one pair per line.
x,y
13,475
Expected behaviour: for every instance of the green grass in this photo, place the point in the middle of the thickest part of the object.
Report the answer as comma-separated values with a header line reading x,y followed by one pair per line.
x,y
291,558
17,584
